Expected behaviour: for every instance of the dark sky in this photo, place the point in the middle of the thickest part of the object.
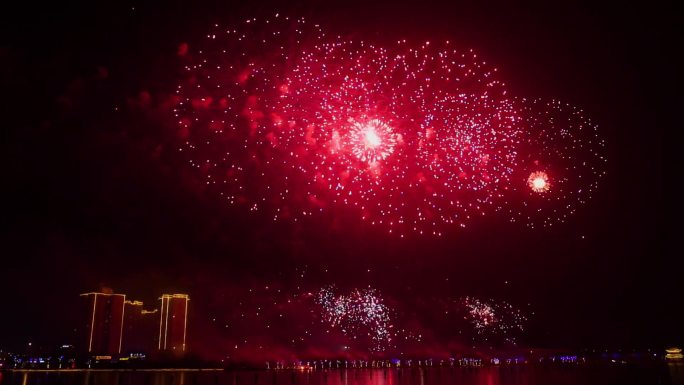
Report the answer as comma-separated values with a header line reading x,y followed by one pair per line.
x,y
94,198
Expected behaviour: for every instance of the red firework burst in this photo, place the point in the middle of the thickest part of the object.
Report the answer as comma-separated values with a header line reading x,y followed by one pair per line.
x,y
276,115
371,141
559,140
539,182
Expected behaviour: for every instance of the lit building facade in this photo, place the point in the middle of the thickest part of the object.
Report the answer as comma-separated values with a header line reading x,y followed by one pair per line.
x,y
105,320
173,322
140,334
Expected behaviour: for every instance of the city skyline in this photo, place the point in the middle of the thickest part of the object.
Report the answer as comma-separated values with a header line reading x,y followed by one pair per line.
x,y
116,327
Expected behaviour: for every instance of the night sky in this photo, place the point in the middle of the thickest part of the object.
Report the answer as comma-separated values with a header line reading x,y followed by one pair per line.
x,y
95,195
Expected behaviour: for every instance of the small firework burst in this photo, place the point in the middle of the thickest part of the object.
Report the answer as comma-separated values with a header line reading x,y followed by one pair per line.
x,y
494,320
372,141
360,313
539,181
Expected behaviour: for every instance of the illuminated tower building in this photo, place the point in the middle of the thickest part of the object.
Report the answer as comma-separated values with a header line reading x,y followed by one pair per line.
x,y
673,354
140,326
104,330
173,320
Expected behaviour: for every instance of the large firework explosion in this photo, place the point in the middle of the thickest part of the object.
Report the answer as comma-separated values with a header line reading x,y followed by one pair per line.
x,y
278,116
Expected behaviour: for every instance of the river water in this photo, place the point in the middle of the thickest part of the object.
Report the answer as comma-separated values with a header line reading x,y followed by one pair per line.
x,y
516,375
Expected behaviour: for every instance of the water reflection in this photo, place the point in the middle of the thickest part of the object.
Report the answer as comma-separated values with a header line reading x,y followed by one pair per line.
x,y
676,371
623,375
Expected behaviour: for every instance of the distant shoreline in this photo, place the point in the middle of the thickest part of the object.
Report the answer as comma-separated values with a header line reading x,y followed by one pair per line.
x,y
115,370
252,369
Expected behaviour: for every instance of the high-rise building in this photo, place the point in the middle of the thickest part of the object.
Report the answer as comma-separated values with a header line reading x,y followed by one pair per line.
x,y
173,320
104,328
140,328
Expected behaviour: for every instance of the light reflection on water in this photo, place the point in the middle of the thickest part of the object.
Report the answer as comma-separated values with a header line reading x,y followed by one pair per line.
x,y
603,375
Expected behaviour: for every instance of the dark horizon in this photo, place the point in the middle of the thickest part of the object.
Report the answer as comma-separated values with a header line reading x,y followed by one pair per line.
x,y
96,197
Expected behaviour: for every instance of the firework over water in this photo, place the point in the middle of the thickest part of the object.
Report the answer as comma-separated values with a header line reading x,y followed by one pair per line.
x,y
280,117
358,314
358,321
493,320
